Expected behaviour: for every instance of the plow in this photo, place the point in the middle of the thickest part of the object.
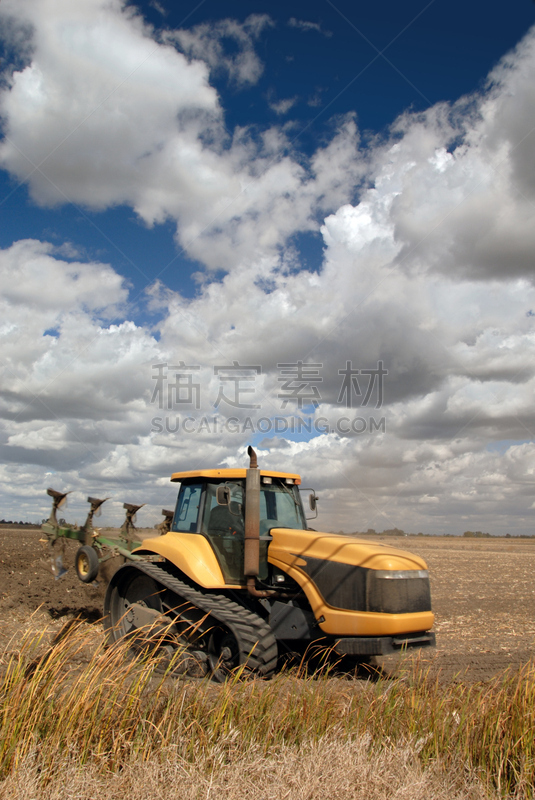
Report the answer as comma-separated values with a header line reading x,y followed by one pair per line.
x,y
95,548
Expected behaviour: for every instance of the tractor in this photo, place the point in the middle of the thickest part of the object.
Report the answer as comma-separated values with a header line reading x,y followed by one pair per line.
x,y
237,578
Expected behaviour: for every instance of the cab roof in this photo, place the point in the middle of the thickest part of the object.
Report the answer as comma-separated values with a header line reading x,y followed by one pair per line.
x,y
231,474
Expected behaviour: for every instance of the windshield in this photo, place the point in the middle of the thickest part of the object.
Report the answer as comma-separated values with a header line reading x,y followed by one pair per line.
x,y
280,507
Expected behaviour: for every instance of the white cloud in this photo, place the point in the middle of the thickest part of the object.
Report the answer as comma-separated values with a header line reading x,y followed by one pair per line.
x,y
283,106
306,26
207,42
97,100
103,114
31,277
468,212
61,357
431,271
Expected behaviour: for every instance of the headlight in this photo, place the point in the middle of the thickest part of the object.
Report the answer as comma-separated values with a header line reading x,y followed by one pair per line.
x,y
400,574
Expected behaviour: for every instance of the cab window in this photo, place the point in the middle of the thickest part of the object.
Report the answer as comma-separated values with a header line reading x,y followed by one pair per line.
x,y
224,527
187,508
224,520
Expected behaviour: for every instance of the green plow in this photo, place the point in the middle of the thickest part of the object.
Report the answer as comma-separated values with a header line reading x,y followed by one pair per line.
x,y
95,548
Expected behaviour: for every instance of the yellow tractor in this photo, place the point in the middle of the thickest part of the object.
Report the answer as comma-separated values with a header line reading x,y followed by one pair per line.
x,y
240,578
237,578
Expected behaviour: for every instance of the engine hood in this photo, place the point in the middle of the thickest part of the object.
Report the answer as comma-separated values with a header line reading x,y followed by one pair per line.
x,y
295,548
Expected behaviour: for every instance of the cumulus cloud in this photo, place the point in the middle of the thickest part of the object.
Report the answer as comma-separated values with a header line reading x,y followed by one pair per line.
x,y
70,376
464,202
97,98
102,114
32,277
429,271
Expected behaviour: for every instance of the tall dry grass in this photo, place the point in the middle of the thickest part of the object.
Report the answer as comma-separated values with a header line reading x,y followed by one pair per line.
x,y
106,726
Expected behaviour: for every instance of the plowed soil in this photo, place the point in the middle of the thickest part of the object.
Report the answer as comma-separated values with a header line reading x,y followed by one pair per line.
x,y
483,597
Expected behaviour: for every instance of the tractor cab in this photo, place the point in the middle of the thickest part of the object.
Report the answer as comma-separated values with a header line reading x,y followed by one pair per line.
x,y
212,503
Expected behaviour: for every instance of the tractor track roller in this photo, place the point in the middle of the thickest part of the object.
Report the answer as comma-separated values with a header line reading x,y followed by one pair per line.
x,y
145,603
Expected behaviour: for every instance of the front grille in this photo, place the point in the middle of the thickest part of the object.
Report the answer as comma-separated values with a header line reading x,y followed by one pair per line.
x,y
398,592
346,586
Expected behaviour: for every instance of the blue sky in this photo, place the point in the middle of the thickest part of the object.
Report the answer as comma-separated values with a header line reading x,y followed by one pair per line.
x,y
270,184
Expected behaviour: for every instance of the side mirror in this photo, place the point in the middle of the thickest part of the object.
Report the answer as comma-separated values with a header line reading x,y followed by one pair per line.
x,y
312,502
222,495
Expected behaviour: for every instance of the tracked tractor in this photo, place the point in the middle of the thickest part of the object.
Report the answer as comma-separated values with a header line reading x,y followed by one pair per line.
x,y
237,578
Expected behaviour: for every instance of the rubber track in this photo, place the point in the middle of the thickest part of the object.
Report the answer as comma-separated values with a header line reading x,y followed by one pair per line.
x,y
258,646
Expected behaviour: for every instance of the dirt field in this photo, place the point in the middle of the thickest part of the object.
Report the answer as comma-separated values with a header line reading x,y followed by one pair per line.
x,y
483,597
483,593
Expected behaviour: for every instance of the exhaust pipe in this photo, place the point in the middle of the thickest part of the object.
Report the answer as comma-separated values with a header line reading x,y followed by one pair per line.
x,y
251,565
251,556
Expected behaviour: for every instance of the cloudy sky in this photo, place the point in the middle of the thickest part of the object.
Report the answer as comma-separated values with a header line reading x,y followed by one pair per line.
x,y
309,227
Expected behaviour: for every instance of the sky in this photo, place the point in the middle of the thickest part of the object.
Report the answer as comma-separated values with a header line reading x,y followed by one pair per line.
x,y
306,227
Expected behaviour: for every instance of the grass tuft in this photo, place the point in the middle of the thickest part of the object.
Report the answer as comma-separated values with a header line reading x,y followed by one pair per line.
x,y
78,708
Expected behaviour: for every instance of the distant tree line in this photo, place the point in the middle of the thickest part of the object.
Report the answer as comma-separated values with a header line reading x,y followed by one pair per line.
x,y
467,534
371,531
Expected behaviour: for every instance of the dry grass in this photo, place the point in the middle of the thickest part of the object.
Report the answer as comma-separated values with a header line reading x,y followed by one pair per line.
x,y
108,727
342,770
